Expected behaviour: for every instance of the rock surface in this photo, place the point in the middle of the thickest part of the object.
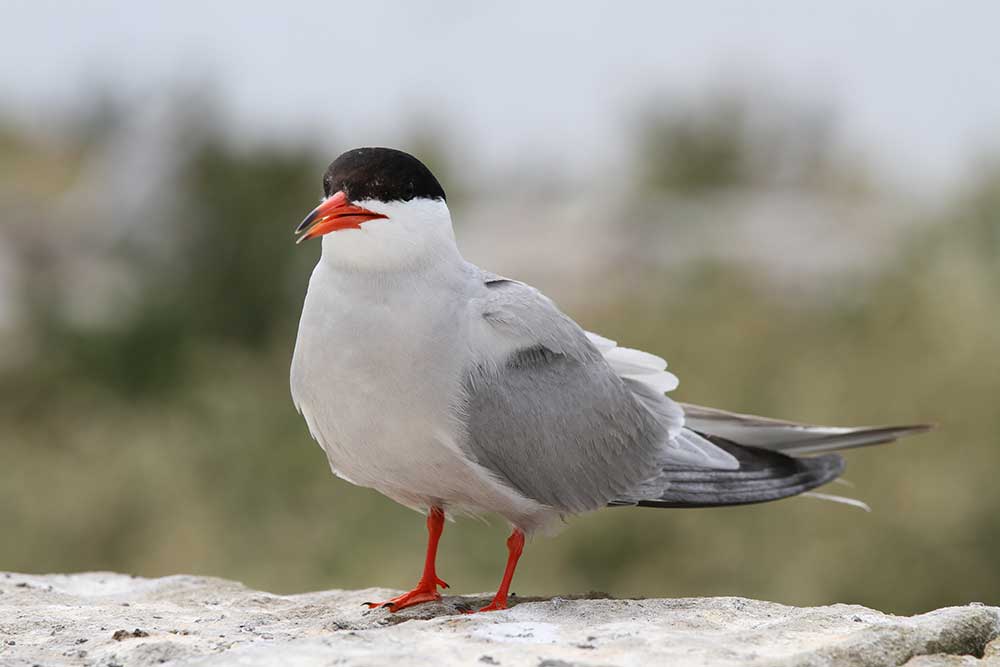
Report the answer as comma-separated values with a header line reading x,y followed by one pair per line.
x,y
107,619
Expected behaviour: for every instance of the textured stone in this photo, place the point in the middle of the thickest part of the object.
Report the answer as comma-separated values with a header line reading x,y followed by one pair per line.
x,y
111,619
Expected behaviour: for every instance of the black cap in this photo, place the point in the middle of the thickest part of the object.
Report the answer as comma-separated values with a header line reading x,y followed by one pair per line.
x,y
382,174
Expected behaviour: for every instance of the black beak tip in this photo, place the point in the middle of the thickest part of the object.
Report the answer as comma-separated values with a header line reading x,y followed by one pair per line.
x,y
305,223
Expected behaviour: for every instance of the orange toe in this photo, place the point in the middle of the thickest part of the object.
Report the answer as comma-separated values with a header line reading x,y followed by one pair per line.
x,y
414,597
496,605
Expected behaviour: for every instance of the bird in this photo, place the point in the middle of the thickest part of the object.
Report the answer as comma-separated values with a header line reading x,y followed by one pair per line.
x,y
456,391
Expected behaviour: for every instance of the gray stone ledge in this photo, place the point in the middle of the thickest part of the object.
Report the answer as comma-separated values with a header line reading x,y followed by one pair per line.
x,y
106,619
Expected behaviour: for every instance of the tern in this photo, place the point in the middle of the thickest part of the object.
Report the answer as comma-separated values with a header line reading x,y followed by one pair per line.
x,y
453,390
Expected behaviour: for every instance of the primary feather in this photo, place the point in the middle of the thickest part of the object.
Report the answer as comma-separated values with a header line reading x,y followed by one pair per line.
x,y
791,437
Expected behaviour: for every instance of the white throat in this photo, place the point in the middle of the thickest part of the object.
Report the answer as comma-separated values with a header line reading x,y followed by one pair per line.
x,y
414,234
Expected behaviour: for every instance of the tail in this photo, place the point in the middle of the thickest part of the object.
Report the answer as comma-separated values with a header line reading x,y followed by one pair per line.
x,y
762,476
769,454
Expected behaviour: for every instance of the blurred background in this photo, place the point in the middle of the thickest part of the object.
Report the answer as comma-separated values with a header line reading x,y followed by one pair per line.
x,y
796,203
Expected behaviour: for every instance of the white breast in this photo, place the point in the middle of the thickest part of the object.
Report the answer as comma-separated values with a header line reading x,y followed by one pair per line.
x,y
377,374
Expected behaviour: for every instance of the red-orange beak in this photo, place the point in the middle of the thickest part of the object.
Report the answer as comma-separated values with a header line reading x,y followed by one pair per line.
x,y
336,212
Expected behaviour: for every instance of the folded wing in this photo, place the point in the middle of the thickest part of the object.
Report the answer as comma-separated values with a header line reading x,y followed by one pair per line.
x,y
566,418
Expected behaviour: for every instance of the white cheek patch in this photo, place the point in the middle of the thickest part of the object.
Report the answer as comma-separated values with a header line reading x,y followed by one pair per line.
x,y
413,232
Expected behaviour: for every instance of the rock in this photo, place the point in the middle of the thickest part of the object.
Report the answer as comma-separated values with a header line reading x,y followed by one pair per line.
x,y
990,658
105,619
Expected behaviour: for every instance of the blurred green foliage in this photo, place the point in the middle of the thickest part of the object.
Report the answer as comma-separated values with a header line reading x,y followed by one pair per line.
x,y
164,440
733,141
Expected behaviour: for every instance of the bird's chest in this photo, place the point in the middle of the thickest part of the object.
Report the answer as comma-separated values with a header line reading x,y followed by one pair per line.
x,y
377,376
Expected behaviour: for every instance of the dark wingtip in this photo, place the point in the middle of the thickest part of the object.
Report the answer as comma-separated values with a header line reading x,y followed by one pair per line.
x,y
909,429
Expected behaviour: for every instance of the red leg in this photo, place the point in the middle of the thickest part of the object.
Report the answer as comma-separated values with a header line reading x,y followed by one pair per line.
x,y
426,588
515,545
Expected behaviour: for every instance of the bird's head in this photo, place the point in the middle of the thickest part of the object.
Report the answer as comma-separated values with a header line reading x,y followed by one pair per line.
x,y
382,209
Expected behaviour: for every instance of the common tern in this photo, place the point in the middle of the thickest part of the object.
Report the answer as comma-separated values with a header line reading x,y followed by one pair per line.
x,y
454,390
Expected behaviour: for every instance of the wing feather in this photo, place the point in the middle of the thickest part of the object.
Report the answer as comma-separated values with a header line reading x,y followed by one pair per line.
x,y
636,364
790,437
568,418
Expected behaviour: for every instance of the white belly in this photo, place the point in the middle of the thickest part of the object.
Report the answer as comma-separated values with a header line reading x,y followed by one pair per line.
x,y
379,382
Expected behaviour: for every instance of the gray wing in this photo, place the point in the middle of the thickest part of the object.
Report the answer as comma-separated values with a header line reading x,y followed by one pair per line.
x,y
552,418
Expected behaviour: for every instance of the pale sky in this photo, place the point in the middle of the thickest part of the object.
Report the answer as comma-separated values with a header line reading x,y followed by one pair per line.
x,y
914,84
